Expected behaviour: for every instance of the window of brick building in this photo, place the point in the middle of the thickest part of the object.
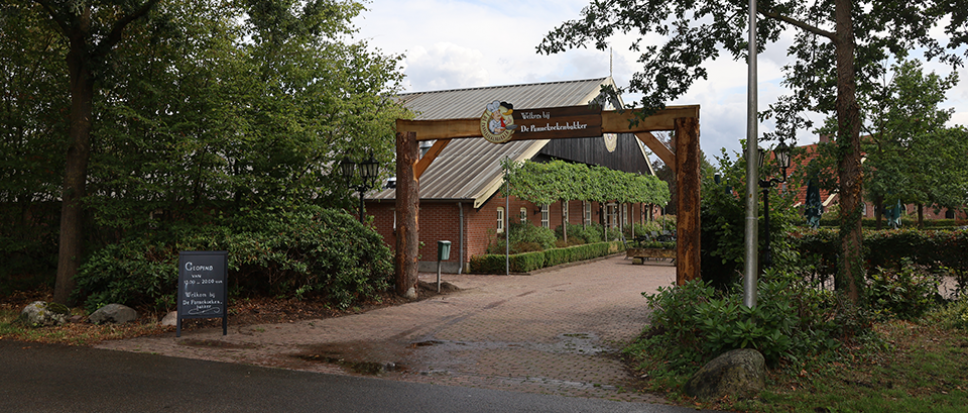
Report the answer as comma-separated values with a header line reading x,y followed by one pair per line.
x,y
544,216
500,220
524,215
587,210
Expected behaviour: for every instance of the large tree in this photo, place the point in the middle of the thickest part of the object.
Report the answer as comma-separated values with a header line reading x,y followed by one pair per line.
x,y
904,126
92,29
190,105
836,43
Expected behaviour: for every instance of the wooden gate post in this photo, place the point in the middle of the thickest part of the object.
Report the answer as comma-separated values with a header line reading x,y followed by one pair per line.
x,y
407,207
687,200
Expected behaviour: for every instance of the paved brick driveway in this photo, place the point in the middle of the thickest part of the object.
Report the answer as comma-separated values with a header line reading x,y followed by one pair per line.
x,y
556,332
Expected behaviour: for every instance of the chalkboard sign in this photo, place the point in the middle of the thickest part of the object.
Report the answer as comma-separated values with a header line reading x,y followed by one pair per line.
x,y
202,286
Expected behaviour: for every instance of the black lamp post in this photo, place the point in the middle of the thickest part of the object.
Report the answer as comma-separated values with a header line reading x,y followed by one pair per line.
x,y
367,172
782,153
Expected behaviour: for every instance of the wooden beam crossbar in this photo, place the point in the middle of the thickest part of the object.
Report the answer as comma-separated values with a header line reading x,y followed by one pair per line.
x,y
627,121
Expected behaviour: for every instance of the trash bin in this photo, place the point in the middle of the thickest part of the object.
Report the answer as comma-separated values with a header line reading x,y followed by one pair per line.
x,y
443,250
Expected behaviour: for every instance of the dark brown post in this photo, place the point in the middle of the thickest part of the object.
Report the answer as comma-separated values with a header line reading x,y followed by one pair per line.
x,y
687,198
408,205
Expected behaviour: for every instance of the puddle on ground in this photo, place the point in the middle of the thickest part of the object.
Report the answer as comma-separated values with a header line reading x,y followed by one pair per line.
x,y
368,358
422,356
578,343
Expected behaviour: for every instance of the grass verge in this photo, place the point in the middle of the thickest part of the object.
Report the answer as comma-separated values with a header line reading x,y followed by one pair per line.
x,y
908,367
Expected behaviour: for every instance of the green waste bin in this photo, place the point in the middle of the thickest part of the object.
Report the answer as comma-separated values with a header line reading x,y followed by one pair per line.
x,y
443,250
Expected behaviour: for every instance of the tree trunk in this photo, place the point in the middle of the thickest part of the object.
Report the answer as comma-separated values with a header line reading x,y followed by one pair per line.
x,y
848,164
75,173
564,222
407,206
878,211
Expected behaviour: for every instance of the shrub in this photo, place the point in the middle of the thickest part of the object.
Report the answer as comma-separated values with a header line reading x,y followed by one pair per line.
x,y
693,323
309,251
530,233
591,233
907,293
954,314
647,229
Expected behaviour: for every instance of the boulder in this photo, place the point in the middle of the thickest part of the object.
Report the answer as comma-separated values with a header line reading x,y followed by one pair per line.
x,y
113,313
737,373
170,319
41,314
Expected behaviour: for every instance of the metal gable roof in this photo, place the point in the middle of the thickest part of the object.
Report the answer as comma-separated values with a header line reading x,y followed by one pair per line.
x,y
469,169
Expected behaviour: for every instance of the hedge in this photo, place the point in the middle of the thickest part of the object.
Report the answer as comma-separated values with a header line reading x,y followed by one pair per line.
x,y
907,221
931,248
530,261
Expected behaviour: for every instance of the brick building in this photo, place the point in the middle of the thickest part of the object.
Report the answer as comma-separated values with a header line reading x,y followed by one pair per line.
x,y
830,198
460,198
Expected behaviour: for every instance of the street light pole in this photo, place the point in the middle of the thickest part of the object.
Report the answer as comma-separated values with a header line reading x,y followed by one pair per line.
x,y
782,153
749,275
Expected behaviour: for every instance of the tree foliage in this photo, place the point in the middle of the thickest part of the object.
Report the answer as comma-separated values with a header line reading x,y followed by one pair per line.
x,y
194,107
911,157
543,183
838,46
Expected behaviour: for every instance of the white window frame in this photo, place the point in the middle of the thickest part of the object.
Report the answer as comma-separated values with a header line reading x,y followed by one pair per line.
x,y
545,216
500,220
524,215
588,212
611,213
564,212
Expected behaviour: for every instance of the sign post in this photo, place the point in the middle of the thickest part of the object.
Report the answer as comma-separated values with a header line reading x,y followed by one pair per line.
x,y
202,286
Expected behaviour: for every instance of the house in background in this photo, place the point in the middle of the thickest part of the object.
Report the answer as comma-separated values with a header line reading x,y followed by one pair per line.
x,y
460,198
830,198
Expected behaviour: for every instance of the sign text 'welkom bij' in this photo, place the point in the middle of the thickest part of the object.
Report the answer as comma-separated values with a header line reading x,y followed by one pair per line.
x,y
501,123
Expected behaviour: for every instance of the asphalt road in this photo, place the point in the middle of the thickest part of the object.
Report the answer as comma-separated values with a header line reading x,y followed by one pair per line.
x,y
47,378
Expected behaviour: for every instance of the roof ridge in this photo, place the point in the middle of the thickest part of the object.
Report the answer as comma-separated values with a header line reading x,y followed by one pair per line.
x,y
599,79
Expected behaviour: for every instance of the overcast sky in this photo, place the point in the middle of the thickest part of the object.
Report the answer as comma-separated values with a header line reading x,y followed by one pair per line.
x,y
467,43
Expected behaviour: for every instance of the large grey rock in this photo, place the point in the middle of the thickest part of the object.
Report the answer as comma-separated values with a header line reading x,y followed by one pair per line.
x,y
40,314
113,313
737,373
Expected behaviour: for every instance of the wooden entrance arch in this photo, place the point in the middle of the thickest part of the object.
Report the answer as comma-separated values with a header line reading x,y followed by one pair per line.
x,y
684,120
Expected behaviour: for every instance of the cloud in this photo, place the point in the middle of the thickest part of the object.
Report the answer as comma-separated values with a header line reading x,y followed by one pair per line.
x,y
445,66
467,43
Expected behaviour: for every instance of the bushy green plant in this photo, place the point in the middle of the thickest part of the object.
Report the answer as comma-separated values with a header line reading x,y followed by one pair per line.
x,y
693,323
954,314
530,233
591,233
306,251
647,229
906,293
666,223
614,234
723,223
578,235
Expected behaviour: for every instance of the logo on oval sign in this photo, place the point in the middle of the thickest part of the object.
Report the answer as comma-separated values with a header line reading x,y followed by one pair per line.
x,y
497,124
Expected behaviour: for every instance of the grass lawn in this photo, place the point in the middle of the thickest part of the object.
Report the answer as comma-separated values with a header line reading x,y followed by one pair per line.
x,y
909,368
